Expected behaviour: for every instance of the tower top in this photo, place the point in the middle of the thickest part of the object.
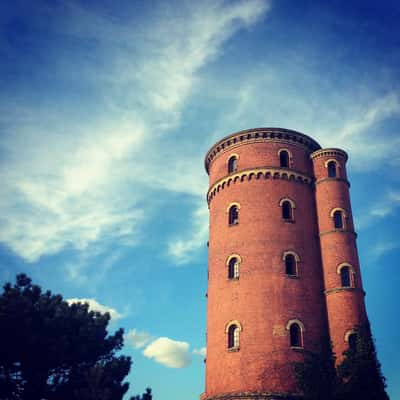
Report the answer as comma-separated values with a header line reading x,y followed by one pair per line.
x,y
260,135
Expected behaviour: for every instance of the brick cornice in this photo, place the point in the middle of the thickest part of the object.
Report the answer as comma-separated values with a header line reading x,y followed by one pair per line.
x,y
259,135
332,152
338,231
319,181
343,289
257,173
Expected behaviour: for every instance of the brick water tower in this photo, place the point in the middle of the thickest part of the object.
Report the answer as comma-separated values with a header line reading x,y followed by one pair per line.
x,y
283,269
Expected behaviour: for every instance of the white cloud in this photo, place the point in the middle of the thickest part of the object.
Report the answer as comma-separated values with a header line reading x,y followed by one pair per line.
x,y
168,352
96,306
200,352
70,183
184,250
382,208
137,339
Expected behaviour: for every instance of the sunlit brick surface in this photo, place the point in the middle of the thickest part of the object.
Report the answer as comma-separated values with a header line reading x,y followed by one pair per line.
x,y
264,298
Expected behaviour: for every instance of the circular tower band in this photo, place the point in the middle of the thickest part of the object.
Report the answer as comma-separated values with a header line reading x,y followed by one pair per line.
x,y
269,285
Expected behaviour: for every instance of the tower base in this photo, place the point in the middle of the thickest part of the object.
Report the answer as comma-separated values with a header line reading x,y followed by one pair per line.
x,y
253,396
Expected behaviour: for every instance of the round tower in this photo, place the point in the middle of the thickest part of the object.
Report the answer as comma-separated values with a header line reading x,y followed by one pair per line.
x,y
341,269
266,301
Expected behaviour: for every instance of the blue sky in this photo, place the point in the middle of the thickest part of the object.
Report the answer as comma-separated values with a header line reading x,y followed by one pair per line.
x,y
106,112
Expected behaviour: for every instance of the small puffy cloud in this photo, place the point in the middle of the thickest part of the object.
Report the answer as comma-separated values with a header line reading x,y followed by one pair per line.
x,y
96,306
137,339
168,352
200,352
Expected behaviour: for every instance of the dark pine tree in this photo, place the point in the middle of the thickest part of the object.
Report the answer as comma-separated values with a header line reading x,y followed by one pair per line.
x,y
55,351
360,375
145,396
316,376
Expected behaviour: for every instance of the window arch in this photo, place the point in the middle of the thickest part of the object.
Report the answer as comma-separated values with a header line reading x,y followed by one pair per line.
x,y
333,168
233,329
233,217
233,264
332,173
353,341
338,215
338,220
284,158
351,338
346,272
296,330
291,259
288,207
345,277
232,163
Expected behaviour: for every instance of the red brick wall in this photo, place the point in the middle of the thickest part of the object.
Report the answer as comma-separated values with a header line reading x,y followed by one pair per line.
x,y
264,298
345,307
259,155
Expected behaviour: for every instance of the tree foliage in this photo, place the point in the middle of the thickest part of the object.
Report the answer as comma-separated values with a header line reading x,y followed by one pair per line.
x,y
50,350
316,376
145,396
360,373
358,376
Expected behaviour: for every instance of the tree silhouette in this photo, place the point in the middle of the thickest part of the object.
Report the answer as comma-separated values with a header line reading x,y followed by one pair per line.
x,y
360,373
358,376
50,350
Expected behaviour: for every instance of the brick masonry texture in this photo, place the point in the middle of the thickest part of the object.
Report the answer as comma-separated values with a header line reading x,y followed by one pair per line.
x,y
264,298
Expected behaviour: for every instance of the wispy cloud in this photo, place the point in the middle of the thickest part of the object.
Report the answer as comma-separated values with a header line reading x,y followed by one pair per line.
x,y
94,305
184,250
383,247
382,208
200,352
70,182
168,352
137,339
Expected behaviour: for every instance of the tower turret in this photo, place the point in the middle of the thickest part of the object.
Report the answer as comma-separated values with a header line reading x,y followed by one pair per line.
x,y
341,269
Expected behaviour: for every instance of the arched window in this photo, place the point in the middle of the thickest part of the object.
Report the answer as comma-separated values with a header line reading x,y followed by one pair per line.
x,y
338,219
332,169
284,158
345,277
233,268
295,335
352,339
290,265
233,215
232,164
233,336
287,212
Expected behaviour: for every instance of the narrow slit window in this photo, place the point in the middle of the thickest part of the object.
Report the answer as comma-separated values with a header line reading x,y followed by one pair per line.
x,y
233,337
345,277
233,268
338,219
290,265
295,336
232,164
234,215
332,173
287,212
284,159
